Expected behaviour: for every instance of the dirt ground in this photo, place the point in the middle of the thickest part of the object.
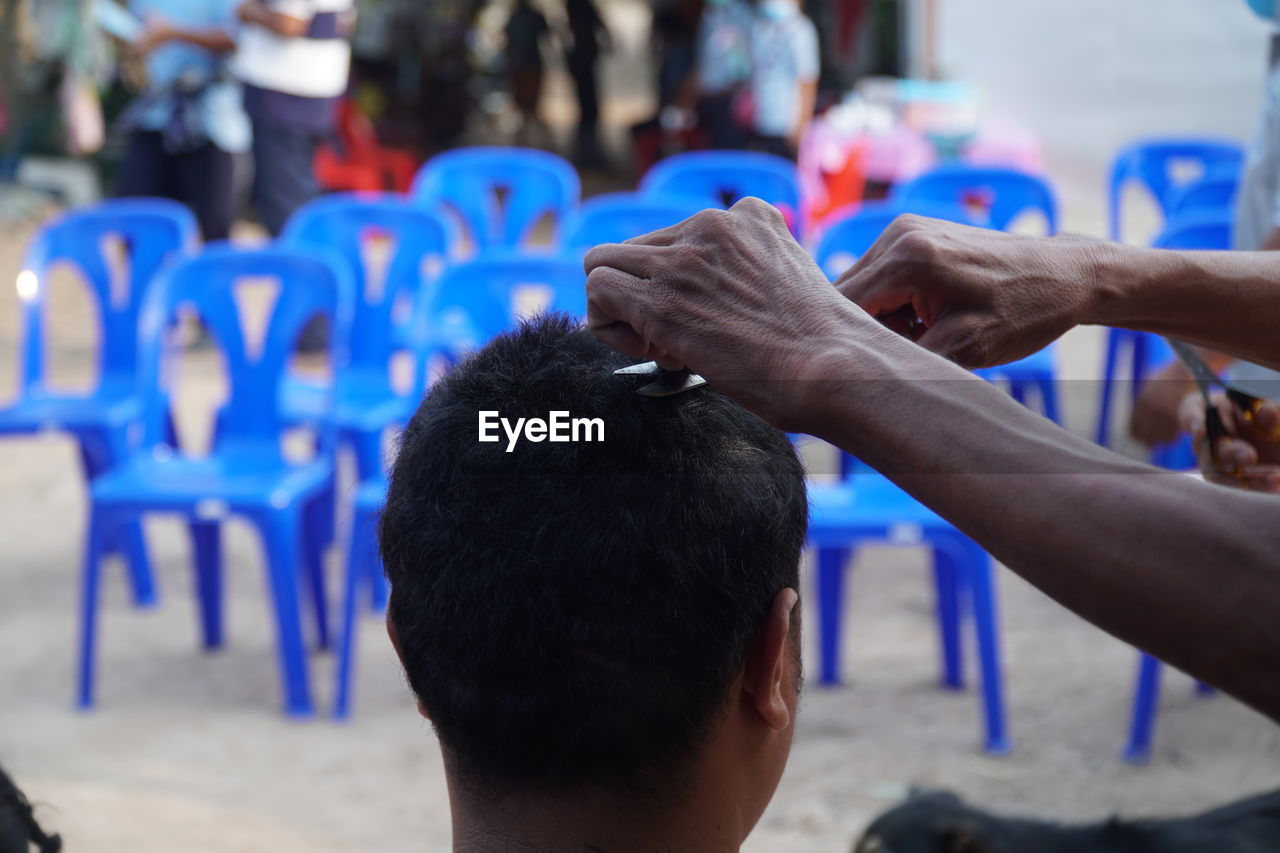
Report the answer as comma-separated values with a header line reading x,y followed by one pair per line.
x,y
187,751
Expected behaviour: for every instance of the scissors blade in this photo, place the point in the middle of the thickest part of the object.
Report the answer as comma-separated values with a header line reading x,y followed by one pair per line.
x,y
665,382
645,368
1200,372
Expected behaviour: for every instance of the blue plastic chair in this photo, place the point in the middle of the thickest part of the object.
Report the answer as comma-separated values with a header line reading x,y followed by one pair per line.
x,y
245,472
472,304
469,181
1207,196
867,507
1160,166
1001,195
616,217
1155,163
366,400
722,178
848,233
150,232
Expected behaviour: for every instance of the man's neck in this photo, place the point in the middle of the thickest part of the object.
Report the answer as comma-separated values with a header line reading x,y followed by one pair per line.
x,y
591,822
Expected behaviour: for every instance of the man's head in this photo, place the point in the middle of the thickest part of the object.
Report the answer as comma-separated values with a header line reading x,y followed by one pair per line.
x,y
594,615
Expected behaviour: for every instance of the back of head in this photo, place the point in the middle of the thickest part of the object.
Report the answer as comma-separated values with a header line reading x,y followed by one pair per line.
x,y
573,613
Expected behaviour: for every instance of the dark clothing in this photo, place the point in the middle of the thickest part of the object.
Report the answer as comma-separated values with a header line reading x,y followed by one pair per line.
x,y
716,114
525,30
294,111
586,28
778,145
200,178
283,179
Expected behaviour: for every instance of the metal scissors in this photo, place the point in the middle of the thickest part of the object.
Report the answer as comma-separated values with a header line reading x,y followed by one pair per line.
x,y
1246,403
665,382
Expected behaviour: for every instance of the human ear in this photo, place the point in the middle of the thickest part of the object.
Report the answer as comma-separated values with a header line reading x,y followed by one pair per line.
x,y
766,678
395,644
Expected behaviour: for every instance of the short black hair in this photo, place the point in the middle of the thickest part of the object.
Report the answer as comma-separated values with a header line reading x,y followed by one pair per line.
x,y
573,614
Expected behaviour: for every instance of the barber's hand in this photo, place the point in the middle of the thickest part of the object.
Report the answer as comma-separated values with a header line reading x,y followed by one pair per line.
x,y
731,295
1249,457
1156,411
981,297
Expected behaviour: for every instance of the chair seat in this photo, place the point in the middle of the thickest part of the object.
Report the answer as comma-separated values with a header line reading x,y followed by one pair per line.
x,y
361,407
210,486
69,412
871,506
1038,365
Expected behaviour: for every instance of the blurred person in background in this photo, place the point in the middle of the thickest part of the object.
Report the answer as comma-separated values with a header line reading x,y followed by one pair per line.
x,y
587,38
785,63
293,57
1157,417
186,127
724,66
526,31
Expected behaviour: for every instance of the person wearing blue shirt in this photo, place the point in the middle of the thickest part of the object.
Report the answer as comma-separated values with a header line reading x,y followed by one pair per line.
x,y
188,124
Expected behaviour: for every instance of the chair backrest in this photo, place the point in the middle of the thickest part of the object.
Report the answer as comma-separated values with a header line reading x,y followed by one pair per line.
x,y
1000,194
1204,196
418,238
1206,230
149,233
1155,163
475,300
849,233
469,182
722,178
312,281
616,217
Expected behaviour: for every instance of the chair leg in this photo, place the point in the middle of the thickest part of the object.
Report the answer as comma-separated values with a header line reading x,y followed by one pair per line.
x,y
982,588
1146,705
1103,433
947,585
206,539
1049,398
95,540
368,451
317,521
280,532
358,567
98,453
831,577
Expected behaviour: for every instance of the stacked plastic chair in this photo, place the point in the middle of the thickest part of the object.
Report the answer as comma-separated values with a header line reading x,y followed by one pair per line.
x,y
500,194
721,178
149,232
864,506
367,403
1155,165
245,472
471,303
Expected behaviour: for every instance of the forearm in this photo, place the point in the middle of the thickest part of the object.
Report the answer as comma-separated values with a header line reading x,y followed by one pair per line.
x,y
215,41
256,12
1183,569
1229,301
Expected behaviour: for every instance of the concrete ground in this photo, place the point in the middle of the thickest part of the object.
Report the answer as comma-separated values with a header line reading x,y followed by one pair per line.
x,y
187,751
